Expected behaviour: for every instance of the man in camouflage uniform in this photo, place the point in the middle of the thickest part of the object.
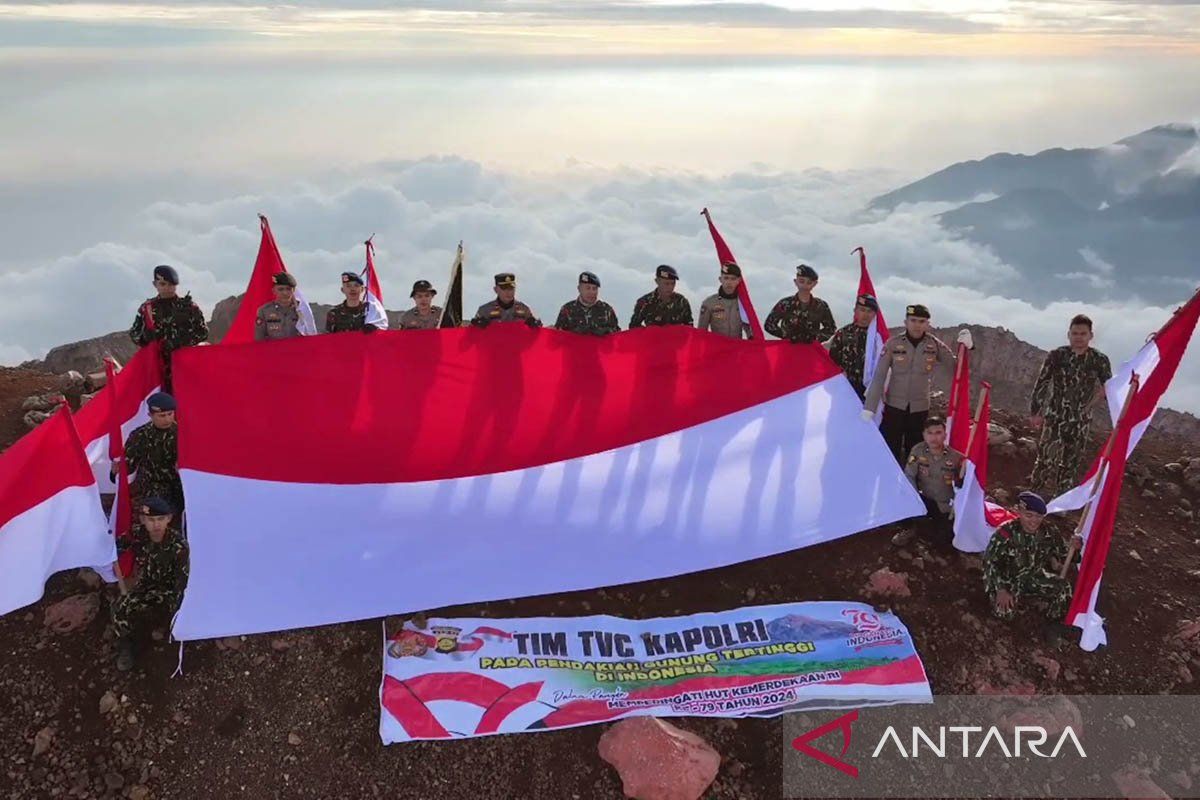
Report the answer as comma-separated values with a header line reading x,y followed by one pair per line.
x,y
506,307
722,312
424,315
280,318
933,468
662,306
173,320
801,318
159,576
848,347
152,452
1071,381
588,313
351,313
1023,561
910,360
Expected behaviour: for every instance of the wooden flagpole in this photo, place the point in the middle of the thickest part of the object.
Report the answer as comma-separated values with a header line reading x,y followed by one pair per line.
x,y
984,390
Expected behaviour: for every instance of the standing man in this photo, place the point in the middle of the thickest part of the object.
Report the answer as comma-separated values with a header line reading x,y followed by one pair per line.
x,y
351,313
662,306
173,320
506,307
909,360
933,469
159,576
848,347
801,318
722,312
1071,381
424,315
279,318
588,313
152,454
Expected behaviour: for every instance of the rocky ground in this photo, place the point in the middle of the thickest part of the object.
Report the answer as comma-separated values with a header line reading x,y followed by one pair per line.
x,y
295,715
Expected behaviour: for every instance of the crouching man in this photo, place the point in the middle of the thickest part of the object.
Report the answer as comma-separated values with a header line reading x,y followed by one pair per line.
x,y
160,573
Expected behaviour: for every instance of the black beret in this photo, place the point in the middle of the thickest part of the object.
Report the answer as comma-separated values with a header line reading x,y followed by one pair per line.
x,y
805,271
730,268
590,278
666,271
156,507
422,286
284,279
868,301
352,277
919,311
160,401
167,273
1031,502
506,280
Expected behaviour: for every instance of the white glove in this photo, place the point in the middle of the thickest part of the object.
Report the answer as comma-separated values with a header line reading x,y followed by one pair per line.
x,y
867,415
964,337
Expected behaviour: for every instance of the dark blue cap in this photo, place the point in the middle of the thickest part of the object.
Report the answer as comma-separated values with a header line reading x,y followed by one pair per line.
x,y
1031,502
156,507
805,271
352,277
167,273
160,401
666,271
590,278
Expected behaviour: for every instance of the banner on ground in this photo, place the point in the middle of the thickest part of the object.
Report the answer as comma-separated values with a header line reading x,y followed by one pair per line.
x,y
459,678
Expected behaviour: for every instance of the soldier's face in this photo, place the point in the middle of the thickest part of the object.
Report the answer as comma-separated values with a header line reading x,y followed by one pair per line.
x,y
935,437
353,292
164,287
805,285
162,419
284,295
916,326
1030,520
589,292
1080,336
424,299
156,526
665,286
863,316
729,283
506,294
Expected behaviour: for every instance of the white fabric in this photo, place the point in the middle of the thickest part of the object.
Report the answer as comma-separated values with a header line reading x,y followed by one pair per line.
x,y
375,314
971,530
66,531
870,362
307,323
789,473
1089,622
97,449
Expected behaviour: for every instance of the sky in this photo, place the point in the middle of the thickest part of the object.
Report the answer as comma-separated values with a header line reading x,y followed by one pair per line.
x,y
552,136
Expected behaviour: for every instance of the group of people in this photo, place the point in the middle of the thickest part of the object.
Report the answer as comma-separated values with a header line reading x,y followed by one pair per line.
x,y
1022,563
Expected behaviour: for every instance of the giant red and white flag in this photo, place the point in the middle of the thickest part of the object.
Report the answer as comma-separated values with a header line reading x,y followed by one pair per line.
x,y
958,408
50,516
260,291
1155,364
123,398
725,256
878,335
975,519
522,462
376,315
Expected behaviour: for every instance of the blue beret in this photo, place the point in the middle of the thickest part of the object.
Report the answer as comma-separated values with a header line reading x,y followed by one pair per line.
x,y
352,277
1031,502
160,401
156,507
167,273
868,301
589,277
805,271
666,271
284,279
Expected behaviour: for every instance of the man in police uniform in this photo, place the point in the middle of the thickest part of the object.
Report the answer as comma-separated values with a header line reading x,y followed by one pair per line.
x,y
173,320
424,315
722,312
801,318
506,307
152,454
279,319
662,306
588,313
910,360
848,347
351,313
933,469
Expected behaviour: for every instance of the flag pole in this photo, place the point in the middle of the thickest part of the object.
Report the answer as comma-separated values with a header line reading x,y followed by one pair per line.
x,y
958,368
1100,473
985,388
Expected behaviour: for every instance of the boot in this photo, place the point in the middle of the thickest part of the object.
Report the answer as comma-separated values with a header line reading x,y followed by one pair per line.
x,y
124,654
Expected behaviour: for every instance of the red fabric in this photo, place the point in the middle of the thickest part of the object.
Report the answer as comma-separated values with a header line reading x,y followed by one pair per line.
x,y
260,290
865,286
423,405
907,670
958,413
979,447
372,279
506,704
148,316
412,714
41,464
725,256
122,395
122,511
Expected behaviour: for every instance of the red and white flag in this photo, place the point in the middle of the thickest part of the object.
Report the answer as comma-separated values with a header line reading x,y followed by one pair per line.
x,y
975,519
1155,365
725,256
260,291
877,336
50,516
376,315
120,516
958,409
524,462
123,398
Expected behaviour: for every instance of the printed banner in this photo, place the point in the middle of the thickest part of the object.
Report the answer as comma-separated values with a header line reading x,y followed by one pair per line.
x,y
473,677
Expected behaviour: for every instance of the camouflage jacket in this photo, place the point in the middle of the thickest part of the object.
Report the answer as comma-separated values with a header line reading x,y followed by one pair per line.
x,y
848,349
1014,558
1067,383
153,453
413,320
650,309
161,566
598,319
494,312
178,322
342,318
801,322
723,315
